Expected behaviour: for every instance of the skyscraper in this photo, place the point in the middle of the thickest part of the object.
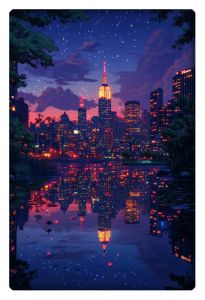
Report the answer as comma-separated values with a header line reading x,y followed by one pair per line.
x,y
165,118
156,102
183,85
104,102
105,116
82,123
132,116
145,131
82,128
132,128
132,211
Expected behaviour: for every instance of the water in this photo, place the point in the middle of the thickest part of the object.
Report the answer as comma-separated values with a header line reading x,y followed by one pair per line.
x,y
100,226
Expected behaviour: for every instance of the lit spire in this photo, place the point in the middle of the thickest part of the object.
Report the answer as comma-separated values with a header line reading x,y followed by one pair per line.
x,y
104,81
104,90
82,102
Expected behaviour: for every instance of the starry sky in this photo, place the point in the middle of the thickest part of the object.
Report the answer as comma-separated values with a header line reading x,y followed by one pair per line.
x,y
138,52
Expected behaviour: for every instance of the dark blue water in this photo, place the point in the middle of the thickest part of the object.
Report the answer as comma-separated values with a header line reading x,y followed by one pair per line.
x,y
101,226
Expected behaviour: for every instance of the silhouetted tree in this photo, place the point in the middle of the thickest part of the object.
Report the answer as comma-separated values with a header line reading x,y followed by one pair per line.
x,y
31,47
185,282
183,19
20,276
21,141
180,135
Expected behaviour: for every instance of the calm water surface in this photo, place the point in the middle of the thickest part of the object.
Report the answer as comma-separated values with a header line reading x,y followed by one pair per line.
x,y
102,226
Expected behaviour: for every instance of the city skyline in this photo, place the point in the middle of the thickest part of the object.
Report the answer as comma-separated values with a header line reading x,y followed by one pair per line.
x,y
106,136
131,35
102,150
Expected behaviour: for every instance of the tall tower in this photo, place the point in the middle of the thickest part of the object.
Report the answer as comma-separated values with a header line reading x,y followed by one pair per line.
x,y
183,86
156,102
105,115
132,116
132,130
104,102
82,123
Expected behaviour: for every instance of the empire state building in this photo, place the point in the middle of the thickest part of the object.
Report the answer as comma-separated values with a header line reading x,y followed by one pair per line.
x,y
105,115
104,101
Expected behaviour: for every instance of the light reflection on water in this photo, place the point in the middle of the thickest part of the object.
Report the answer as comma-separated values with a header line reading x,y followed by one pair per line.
x,y
102,226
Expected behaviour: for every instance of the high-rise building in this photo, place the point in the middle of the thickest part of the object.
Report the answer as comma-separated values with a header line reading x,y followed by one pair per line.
x,y
183,85
64,118
156,102
104,102
145,131
82,127
165,118
132,116
132,211
82,123
62,130
132,128
105,116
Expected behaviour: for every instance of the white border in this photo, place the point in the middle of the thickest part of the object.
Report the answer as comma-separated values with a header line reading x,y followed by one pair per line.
x,y
197,6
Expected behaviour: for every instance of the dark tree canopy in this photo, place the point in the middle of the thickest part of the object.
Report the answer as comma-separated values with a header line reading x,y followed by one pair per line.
x,y
183,19
31,47
42,18
180,135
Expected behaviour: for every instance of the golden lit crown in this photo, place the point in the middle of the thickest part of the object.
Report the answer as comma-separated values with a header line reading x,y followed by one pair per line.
x,y
104,236
104,90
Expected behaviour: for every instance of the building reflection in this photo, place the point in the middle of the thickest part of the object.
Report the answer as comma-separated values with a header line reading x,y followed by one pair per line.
x,y
105,189
182,235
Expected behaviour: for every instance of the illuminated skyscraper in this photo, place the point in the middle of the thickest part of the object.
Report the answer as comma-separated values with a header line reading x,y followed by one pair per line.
x,y
145,134
82,123
82,128
132,211
132,128
156,102
104,229
105,115
165,118
104,102
183,85
132,116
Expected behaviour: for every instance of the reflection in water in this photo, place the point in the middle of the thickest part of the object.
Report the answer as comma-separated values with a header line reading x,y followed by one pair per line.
x,y
97,226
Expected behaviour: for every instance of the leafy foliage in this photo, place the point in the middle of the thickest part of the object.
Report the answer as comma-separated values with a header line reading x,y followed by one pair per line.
x,y
33,47
29,47
185,282
180,135
20,276
42,18
183,19
21,141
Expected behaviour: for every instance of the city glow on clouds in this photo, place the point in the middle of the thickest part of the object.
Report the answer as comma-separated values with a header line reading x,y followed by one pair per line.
x,y
133,47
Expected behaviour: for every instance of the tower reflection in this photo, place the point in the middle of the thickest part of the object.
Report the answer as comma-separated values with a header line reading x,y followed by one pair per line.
x,y
108,190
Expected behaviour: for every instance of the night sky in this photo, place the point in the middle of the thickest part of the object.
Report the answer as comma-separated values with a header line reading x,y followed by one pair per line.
x,y
139,57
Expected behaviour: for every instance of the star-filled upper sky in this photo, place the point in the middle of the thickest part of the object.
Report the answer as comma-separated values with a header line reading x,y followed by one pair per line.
x,y
138,52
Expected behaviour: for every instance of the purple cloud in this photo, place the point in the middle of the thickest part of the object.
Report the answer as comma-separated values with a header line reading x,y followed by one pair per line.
x,y
186,60
73,68
155,69
56,97
29,97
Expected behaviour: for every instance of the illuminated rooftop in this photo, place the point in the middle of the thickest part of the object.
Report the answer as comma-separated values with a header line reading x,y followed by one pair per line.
x,y
104,90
